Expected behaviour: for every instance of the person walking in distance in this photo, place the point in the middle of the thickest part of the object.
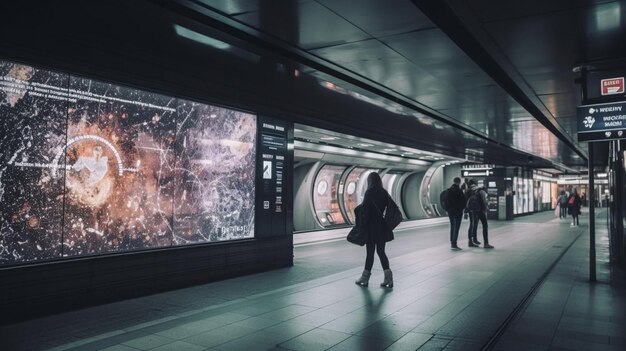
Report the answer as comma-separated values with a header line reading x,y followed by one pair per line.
x,y
455,205
573,206
477,209
374,203
562,201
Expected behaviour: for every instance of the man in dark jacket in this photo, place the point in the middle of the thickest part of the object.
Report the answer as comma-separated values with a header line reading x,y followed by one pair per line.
x,y
456,204
477,208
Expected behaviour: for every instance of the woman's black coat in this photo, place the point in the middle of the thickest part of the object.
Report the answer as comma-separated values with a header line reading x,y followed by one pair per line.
x,y
575,208
373,218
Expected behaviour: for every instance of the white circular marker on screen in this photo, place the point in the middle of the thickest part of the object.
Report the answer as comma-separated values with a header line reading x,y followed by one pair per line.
x,y
322,187
351,188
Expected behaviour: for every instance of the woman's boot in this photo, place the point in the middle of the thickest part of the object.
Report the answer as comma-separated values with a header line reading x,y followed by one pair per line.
x,y
364,279
388,282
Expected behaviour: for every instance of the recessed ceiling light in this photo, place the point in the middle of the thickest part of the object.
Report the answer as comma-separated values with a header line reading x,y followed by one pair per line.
x,y
328,138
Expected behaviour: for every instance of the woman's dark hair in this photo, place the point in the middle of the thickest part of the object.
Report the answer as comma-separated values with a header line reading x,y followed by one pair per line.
x,y
562,192
374,181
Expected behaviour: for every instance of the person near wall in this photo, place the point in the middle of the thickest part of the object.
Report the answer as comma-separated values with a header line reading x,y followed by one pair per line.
x,y
456,205
374,203
573,207
477,208
562,202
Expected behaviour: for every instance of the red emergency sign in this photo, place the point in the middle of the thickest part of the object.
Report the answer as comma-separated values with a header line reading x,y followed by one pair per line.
x,y
612,86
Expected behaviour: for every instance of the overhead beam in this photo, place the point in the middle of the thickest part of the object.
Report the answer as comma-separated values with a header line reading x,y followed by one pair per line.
x,y
440,13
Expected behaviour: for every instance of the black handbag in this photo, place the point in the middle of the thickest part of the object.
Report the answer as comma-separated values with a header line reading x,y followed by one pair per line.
x,y
393,216
358,233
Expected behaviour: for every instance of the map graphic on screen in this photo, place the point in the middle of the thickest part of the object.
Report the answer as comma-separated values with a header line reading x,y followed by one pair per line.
x,y
88,167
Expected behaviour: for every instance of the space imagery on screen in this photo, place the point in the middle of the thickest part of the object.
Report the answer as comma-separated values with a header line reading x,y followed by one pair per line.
x,y
215,175
88,167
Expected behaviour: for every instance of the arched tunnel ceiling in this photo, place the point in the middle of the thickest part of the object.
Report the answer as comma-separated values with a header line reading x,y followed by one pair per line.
x,y
410,48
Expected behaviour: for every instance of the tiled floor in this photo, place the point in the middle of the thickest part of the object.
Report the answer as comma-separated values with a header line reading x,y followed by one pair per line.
x,y
441,300
569,313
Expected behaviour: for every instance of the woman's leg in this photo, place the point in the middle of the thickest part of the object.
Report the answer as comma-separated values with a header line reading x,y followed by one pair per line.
x,y
370,247
380,249
384,261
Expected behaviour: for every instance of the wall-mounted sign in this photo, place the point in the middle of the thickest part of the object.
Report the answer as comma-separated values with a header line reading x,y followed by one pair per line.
x,y
274,206
602,122
612,86
475,167
485,173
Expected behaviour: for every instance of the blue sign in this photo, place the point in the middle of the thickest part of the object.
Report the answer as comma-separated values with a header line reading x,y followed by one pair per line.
x,y
602,122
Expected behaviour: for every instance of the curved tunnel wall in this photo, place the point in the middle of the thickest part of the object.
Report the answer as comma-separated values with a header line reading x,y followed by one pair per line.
x,y
415,192
435,187
303,212
442,179
411,201
407,189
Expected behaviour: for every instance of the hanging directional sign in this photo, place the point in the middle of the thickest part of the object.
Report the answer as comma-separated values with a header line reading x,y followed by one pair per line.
x,y
602,122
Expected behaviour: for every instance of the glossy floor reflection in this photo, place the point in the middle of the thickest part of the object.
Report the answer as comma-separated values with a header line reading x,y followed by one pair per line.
x,y
442,299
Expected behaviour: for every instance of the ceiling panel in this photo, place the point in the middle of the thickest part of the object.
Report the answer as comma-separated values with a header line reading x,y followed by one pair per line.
x,y
436,54
402,17
561,105
233,7
370,58
307,25
489,10
555,82
557,50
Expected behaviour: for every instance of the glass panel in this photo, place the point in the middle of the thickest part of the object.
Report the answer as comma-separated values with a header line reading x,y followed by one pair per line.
x,y
119,169
325,195
214,199
356,185
388,181
33,110
517,198
528,195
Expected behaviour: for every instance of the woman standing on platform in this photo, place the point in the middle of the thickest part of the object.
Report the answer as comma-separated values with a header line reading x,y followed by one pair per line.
x,y
573,206
374,203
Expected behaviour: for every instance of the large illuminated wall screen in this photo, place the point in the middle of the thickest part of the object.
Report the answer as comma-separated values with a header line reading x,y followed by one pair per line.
x,y
90,167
